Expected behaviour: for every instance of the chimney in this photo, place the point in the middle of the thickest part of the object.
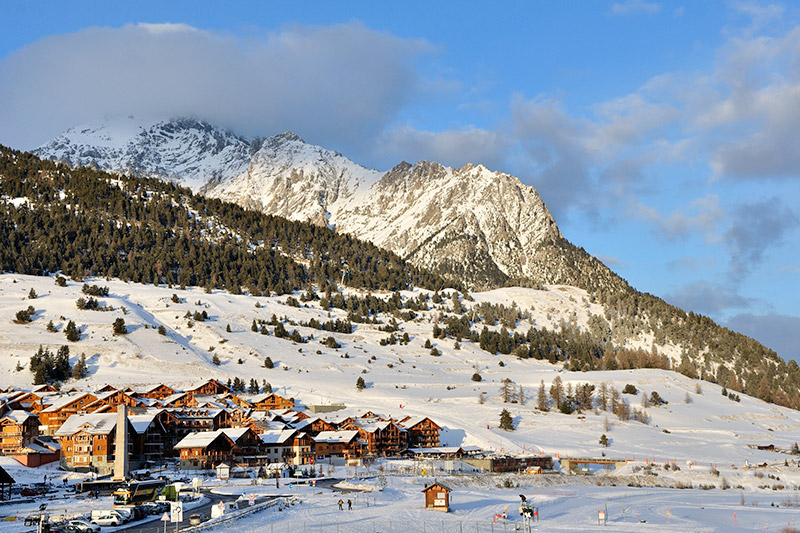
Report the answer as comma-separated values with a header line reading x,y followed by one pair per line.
x,y
121,445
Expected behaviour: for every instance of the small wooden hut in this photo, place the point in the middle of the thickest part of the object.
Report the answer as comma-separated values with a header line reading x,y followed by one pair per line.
x,y
437,497
6,482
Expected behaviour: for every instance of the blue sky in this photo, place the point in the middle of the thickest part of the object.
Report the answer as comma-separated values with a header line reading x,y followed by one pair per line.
x,y
664,136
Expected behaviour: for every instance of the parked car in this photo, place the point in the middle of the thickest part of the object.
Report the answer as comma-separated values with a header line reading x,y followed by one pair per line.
x,y
31,491
195,520
81,526
107,520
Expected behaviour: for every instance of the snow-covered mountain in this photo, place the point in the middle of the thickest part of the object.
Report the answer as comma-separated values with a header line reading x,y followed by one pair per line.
x,y
188,151
482,226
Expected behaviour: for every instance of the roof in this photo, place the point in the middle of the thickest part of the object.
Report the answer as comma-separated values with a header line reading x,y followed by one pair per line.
x,y
5,478
18,415
64,401
413,421
235,433
332,437
173,397
202,439
140,423
96,424
436,484
277,436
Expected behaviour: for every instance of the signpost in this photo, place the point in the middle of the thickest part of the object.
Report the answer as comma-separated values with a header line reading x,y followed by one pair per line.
x,y
252,498
165,519
176,511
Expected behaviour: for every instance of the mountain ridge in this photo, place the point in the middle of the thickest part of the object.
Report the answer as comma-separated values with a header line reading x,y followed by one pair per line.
x,y
412,209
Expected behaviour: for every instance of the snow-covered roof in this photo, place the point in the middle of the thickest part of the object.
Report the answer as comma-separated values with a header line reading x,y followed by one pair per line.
x,y
332,437
18,415
235,433
277,436
64,401
97,424
200,439
173,397
140,423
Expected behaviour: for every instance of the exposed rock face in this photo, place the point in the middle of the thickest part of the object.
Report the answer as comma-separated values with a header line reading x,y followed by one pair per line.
x,y
481,226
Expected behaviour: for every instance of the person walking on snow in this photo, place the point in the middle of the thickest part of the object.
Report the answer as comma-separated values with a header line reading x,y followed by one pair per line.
x,y
349,505
340,505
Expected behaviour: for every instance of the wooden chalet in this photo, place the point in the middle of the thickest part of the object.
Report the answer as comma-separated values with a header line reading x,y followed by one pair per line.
x,y
28,401
54,415
179,399
212,386
113,399
17,429
313,426
202,450
422,432
87,443
380,437
344,444
159,392
271,402
288,446
205,449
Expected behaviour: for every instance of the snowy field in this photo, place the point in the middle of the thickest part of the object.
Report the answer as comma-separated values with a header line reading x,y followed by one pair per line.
x,y
569,505
697,431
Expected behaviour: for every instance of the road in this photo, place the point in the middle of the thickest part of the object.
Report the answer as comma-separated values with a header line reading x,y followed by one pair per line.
x,y
154,525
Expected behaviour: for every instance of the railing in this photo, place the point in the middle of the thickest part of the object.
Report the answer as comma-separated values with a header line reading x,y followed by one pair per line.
x,y
236,515
381,526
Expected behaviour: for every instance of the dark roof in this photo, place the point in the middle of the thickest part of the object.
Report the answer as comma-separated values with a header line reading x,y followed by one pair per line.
x,y
436,484
5,478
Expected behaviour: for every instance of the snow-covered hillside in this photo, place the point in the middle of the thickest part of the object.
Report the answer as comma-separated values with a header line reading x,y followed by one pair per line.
x,y
698,424
480,225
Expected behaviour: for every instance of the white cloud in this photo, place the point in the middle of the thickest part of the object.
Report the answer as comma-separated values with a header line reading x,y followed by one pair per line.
x,y
450,147
338,85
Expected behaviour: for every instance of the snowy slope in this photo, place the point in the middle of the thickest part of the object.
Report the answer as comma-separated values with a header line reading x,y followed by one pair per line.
x,y
401,380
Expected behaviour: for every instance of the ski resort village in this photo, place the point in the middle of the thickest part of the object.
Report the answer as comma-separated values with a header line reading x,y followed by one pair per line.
x,y
254,413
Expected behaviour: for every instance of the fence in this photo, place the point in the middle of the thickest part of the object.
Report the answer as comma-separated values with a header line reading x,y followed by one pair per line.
x,y
228,518
386,526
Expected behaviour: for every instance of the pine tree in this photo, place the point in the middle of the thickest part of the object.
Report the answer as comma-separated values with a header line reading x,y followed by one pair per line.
x,y
71,332
80,370
541,398
228,328
51,327
215,359
119,327
604,440
557,391
32,294
254,326
506,422
162,330
62,369
360,385
268,363
266,388
507,390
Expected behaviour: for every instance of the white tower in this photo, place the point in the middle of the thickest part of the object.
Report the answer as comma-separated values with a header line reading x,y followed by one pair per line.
x,y
121,445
